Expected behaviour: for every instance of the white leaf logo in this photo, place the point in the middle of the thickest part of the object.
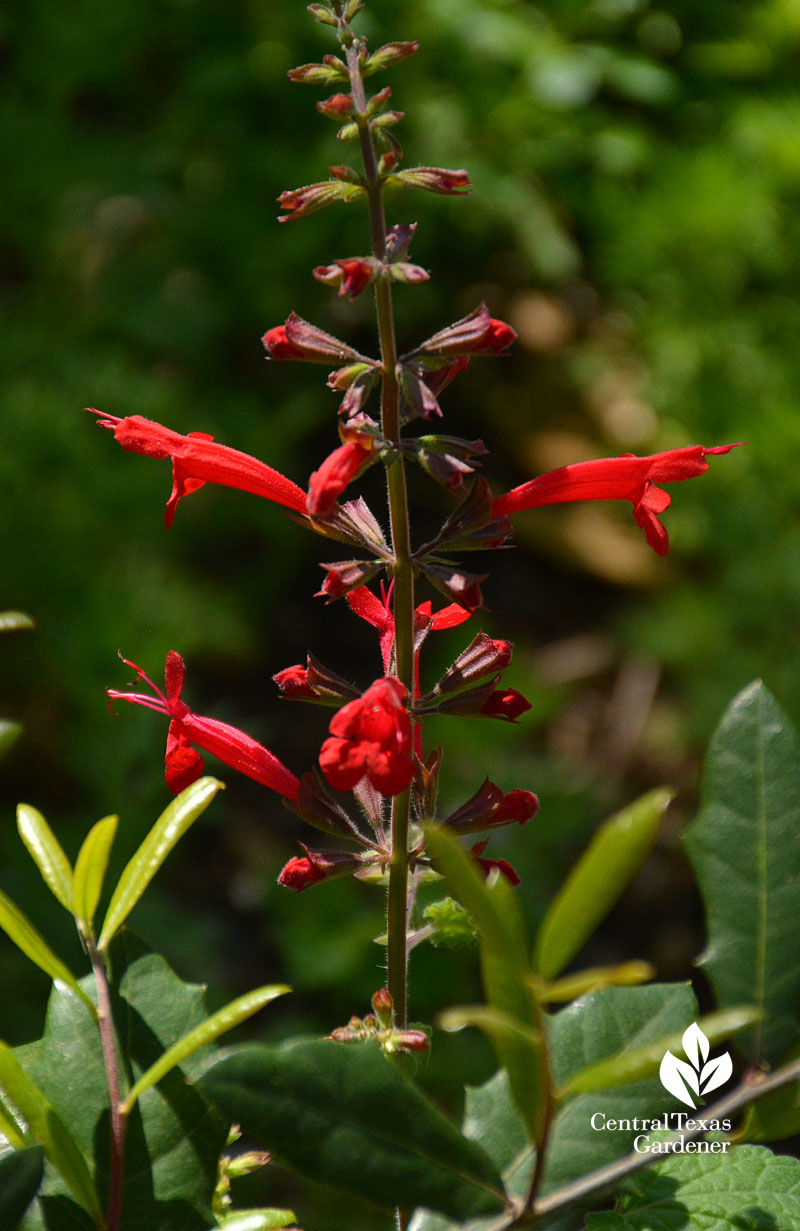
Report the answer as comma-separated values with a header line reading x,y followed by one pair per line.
x,y
687,1081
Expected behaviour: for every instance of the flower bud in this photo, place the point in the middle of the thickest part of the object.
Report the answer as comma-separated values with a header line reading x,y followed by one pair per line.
x,y
456,584
388,55
345,575
315,866
411,1040
482,657
447,458
337,107
433,179
506,703
298,339
327,73
398,240
322,14
477,333
382,1006
352,275
489,807
300,202
346,174
293,682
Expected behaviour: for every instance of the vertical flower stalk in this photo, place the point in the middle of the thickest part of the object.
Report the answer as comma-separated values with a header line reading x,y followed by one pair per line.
x,y
403,592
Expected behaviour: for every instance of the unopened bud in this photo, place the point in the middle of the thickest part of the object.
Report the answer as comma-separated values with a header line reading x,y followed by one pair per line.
x,y
412,1040
337,107
378,101
327,73
482,657
434,179
345,575
456,584
506,703
389,54
300,202
382,1005
300,340
322,14
346,175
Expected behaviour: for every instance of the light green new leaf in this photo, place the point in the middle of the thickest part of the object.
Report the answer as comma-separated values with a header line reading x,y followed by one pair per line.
x,y
506,973
49,1131
616,852
258,1220
629,1066
167,831
749,1189
220,1022
745,850
626,974
25,936
12,621
45,851
90,868
9,734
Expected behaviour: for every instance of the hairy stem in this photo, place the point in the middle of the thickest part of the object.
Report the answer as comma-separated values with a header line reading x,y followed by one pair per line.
x,y
403,601
117,1122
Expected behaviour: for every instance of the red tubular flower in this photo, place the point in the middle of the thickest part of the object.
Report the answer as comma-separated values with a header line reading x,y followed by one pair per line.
x,y
505,703
328,483
371,737
517,805
502,865
616,478
184,764
293,682
197,459
299,873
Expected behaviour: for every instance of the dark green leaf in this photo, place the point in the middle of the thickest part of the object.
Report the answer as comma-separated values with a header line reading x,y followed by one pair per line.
x,y
343,1114
749,1189
174,1136
776,1116
746,855
613,856
20,1177
506,973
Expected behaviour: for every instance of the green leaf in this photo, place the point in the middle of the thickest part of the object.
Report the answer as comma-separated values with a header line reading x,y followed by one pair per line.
x,y
220,1022
626,974
90,868
12,621
49,1131
45,850
258,1220
174,1135
24,935
633,1065
776,1116
9,734
167,831
749,1189
745,852
344,1114
614,855
505,970
20,1178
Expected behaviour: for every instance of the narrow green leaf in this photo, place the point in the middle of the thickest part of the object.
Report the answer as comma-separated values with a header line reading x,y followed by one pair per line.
x,y
344,1115
20,1178
776,1116
626,974
12,1127
616,852
12,621
499,1026
167,831
258,1220
9,734
746,854
45,851
90,868
25,936
220,1022
629,1066
749,1189
506,974
49,1131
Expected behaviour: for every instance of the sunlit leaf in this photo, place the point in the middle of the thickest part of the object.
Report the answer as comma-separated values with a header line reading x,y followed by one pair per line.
x,y
90,868
49,1131
46,852
506,973
225,1019
25,936
604,870
258,1220
167,831
11,621
626,974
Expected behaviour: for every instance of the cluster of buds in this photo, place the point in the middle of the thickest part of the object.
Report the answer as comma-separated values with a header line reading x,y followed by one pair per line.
x,y
378,1027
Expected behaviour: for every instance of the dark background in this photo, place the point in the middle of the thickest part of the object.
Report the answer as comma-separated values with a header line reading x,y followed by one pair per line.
x,y
636,172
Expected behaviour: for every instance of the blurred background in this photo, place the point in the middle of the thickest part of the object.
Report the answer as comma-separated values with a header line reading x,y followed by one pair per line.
x,y
636,172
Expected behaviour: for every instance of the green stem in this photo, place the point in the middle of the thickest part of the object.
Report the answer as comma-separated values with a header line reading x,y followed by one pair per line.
x,y
117,1122
403,602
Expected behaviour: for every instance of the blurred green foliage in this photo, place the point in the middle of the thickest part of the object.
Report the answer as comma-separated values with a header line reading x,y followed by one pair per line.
x,y
636,171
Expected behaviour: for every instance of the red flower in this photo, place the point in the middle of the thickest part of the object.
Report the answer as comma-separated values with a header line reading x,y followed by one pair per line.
x,y
616,478
197,459
517,805
299,873
352,275
502,865
371,736
293,682
505,703
378,613
184,764
328,483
